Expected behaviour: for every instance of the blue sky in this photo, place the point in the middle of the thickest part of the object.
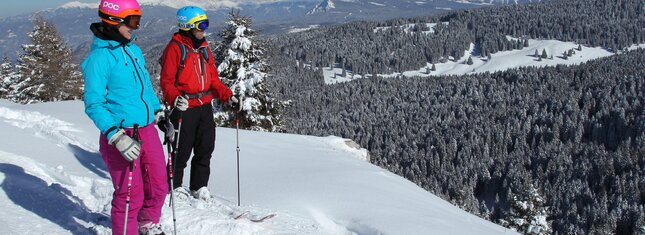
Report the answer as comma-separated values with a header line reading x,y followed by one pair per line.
x,y
17,7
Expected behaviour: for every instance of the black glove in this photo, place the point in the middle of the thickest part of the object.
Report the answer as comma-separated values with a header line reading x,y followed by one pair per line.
x,y
163,123
160,117
235,103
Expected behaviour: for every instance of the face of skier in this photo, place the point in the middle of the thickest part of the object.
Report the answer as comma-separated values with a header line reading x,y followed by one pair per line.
x,y
126,31
130,24
199,34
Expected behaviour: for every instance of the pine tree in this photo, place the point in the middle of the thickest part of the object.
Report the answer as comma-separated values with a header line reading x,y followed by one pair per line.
x,y
6,75
528,214
243,68
46,68
470,60
544,54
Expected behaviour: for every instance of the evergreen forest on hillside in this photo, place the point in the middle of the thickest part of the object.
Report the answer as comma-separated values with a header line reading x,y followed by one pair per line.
x,y
407,44
573,136
576,133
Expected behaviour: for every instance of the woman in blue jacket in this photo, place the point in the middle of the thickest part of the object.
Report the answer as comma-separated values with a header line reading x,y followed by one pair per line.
x,y
121,102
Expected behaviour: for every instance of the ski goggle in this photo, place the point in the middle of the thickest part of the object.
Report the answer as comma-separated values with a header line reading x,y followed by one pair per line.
x,y
132,21
201,25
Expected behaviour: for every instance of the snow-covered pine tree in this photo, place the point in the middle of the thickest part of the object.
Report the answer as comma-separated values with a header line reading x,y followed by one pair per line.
x,y
242,67
6,75
528,214
46,67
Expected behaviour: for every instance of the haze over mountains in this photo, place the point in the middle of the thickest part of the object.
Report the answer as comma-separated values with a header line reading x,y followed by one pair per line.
x,y
270,17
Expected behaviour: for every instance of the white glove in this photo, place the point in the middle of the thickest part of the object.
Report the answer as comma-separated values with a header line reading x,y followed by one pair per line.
x,y
129,148
181,103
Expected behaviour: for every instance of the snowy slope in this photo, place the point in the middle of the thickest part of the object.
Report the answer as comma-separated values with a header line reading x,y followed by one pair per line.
x,y
500,61
53,179
324,6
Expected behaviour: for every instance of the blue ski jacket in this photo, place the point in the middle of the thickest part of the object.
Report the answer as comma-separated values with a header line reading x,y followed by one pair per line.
x,y
118,91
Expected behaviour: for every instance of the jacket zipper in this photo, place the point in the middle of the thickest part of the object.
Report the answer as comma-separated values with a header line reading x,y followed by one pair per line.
x,y
135,64
199,80
204,65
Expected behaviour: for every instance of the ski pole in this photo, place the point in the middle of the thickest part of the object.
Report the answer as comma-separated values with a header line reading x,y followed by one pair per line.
x,y
135,136
237,149
127,199
170,173
172,192
171,169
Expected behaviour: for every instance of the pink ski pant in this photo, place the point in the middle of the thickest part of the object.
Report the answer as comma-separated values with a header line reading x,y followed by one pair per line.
x,y
149,181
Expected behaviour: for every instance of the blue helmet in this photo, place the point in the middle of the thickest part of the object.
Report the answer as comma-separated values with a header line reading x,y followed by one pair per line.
x,y
192,17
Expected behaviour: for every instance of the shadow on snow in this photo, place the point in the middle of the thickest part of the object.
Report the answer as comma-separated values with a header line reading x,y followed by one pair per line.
x,y
52,202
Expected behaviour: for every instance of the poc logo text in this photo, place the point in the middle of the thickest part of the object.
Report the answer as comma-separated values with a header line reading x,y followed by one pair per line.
x,y
111,5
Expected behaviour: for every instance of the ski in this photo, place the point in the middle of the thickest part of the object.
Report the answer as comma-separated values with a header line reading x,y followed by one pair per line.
x,y
251,217
258,219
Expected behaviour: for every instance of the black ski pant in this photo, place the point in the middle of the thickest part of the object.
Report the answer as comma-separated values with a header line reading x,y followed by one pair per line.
x,y
197,136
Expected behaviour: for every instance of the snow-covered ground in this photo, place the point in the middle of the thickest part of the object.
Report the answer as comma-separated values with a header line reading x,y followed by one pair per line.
x,y
500,61
53,181
297,30
407,28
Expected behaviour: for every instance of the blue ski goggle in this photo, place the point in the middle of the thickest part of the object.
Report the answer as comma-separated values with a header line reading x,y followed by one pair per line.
x,y
201,25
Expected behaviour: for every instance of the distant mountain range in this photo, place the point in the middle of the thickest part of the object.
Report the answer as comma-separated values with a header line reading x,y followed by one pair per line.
x,y
273,17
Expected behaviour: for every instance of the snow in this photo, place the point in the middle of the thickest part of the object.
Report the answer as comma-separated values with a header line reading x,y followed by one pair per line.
x,y
297,30
473,3
53,179
77,4
377,4
500,61
407,28
324,6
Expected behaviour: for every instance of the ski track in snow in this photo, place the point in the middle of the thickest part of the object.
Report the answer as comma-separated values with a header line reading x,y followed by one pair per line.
x,y
44,125
67,203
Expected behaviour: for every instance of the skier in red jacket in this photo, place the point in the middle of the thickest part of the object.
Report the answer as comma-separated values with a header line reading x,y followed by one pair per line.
x,y
189,82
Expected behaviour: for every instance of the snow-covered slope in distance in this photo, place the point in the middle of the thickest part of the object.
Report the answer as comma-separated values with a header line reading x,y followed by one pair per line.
x,y
499,61
53,179
324,6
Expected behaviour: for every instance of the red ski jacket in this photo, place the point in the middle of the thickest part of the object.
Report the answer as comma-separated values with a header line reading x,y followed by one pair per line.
x,y
198,79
